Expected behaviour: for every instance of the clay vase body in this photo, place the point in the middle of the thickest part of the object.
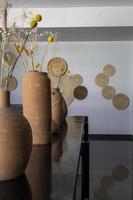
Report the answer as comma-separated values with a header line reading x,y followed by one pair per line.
x,y
37,105
15,140
57,114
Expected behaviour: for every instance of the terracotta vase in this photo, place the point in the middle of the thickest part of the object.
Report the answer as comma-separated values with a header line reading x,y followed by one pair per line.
x,y
37,105
15,140
57,114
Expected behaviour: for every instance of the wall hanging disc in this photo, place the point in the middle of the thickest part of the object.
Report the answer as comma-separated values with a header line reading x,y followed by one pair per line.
x,y
121,101
12,84
108,92
9,57
120,173
109,70
101,80
77,79
67,89
101,194
80,92
57,66
107,181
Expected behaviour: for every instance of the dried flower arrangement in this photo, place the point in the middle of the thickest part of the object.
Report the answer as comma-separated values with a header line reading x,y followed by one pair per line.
x,y
19,42
30,53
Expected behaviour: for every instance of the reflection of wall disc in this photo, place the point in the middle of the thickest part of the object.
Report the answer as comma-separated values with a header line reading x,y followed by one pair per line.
x,y
108,92
57,66
109,70
77,79
101,194
80,92
107,182
121,101
9,57
102,80
12,83
120,173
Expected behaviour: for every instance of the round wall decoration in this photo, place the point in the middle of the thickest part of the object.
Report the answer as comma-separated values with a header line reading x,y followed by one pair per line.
x,y
108,92
109,70
120,173
121,101
101,80
80,92
13,83
66,88
9,57
77,79
57,66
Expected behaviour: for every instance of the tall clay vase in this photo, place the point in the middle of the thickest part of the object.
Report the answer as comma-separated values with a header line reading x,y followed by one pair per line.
x,y
15,140
57,114
37,105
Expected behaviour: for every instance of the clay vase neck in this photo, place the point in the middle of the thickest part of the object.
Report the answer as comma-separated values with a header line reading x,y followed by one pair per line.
x,y
4,99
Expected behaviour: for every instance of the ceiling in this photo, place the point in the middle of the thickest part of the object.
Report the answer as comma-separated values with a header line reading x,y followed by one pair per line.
x,y
69,3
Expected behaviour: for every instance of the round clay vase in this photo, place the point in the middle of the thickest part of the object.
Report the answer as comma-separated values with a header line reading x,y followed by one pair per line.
x,y
15,140
37,105
57,114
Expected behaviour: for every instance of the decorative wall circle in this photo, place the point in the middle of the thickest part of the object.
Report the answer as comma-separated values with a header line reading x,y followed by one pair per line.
x,y
80,92
13,83
9,57
66,88
121,101
108,92
109,70
101,80
77,79
57,66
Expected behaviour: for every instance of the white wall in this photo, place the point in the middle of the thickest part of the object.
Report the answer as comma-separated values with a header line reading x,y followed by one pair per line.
x,y
88,59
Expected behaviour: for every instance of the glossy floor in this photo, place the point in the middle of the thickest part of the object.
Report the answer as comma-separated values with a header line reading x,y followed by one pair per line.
x,y
111,170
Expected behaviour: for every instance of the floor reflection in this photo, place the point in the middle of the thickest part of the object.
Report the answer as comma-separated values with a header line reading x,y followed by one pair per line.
x,y
39,172
58,142
111,170
17,189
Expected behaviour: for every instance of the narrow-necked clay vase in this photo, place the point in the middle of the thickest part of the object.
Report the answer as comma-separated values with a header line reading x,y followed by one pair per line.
x,y
15,140
57,114
37,105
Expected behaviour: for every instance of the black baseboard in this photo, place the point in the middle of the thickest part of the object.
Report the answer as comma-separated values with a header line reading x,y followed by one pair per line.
x,y
110,137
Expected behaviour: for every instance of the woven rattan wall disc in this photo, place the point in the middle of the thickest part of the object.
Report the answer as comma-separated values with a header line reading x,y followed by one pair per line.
x,y
101,80
108,92
13,83
67,88
57,66
77,79
120,173
80,92
109,70
9,57
121,101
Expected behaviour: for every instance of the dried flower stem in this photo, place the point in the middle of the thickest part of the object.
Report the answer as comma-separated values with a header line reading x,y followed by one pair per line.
x,y
44,56
12,70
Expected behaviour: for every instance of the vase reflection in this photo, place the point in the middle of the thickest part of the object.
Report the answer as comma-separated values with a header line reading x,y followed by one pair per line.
x,y
57,142
16,189
39,172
